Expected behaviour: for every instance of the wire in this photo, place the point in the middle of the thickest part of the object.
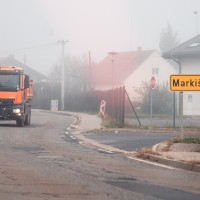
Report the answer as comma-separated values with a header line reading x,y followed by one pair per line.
x,y
33,47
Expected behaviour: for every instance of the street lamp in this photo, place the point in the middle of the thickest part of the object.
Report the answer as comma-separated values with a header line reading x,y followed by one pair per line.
x,y
112,54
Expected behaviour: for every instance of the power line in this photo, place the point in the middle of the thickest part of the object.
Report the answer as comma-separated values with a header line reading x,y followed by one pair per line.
x,y
33,47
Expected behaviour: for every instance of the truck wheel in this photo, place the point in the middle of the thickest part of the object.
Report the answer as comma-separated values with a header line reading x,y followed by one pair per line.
x,y
28,119
20,122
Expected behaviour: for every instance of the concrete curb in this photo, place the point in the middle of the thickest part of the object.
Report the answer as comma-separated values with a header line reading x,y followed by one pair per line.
x,y
155,147
150,157
174,163
153,158
81,137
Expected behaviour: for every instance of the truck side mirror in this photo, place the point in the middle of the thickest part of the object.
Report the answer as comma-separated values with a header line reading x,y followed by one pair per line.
x,y
26,82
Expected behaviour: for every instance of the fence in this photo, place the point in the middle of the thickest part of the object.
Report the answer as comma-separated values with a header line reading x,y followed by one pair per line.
x,y
86,101
118,106
115,100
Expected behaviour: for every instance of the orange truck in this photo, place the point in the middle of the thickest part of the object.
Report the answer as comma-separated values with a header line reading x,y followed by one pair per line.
x,y
16,92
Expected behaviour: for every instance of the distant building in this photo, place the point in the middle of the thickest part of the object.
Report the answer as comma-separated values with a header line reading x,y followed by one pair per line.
x,y
132,69
35,75
187,55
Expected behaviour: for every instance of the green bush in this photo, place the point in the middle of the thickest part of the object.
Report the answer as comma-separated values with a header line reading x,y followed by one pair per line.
x,y
194,140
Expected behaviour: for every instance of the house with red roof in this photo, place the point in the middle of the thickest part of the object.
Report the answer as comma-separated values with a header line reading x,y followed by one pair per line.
x,y
132,69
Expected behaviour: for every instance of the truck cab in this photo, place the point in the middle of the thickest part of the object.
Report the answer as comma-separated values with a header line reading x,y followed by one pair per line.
x,y
16,92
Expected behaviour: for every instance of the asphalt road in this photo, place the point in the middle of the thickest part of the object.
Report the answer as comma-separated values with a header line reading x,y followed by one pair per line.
x,y
45,161
130,141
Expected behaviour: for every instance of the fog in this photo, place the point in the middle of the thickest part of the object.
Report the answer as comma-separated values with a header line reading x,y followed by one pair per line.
x,y
30,29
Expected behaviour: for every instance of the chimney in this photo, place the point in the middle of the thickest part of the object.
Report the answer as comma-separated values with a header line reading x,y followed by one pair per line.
x,y
139,49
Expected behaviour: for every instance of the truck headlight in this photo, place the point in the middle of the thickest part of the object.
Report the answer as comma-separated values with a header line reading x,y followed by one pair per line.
x,y
16,110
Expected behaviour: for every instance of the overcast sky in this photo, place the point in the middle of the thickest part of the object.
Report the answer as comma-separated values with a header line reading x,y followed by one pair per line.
x,y
98,26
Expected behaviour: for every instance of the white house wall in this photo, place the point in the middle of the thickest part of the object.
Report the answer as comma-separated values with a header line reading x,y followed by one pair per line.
x,y
144,73
191,107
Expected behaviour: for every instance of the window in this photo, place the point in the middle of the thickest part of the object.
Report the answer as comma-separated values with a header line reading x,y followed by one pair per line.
x,y
155,70
190,99
9,82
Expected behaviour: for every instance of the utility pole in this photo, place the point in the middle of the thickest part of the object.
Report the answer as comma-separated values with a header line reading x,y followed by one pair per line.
x,y
62,42
90,72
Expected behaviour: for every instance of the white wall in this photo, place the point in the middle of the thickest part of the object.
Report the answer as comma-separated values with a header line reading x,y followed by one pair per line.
x,y
144,73
191,66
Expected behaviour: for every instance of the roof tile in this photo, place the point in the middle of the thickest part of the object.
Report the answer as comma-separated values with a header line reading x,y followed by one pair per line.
x,y
122,65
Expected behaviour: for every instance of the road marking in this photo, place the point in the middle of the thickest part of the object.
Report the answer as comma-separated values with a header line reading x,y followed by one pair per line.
x,y
152,163
49,156
106,151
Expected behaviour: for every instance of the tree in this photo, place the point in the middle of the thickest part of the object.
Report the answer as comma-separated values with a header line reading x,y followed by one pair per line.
x,y
76,82
162,99
168,39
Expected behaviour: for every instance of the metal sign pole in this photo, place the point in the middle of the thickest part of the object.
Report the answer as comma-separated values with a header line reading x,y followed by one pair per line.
x,y
182,134
151,110
153,85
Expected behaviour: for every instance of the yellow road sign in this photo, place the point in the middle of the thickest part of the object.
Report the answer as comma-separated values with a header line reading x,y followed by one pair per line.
x,y
185,82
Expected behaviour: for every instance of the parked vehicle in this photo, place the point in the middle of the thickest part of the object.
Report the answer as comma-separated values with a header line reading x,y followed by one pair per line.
x,y
16,92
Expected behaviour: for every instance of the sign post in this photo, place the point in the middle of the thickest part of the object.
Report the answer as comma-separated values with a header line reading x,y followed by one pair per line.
x,y
153,82
181,83
153,85
185,82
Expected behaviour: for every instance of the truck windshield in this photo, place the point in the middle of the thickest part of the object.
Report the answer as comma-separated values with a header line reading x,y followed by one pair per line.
x,y
9,82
